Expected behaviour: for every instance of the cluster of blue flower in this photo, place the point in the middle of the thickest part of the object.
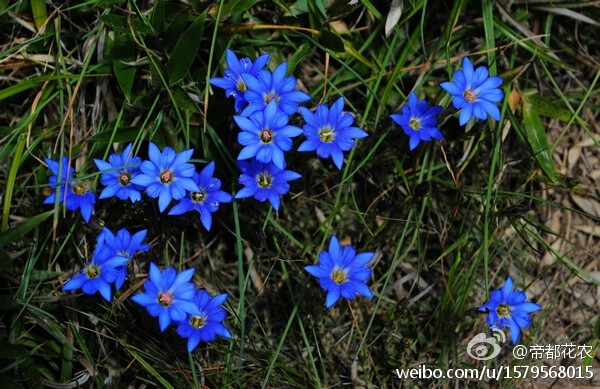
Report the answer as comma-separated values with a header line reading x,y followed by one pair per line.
x,y
265,100
167,175
474,93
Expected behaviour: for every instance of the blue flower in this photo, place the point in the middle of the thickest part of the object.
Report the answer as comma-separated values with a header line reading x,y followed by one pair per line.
x,y
117,175
418,121
168,295
265,87
75,193
264,181
266,135
342,272
233,83
98,274
474,92
329,131
208,324
167,175
206,200
123,245
507,307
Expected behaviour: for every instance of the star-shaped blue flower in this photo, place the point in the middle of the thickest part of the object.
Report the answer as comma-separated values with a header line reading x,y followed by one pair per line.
x,y
98,274
168,295
208,324
266,135
117,174
330,131
233,83
342,272
206,200
78,195
265,87
264,181
507,307
418,121
474,92
167,175
123,244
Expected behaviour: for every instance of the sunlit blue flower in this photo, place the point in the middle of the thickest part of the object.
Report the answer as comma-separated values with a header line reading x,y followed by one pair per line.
x,y
207,200
117,174
208,324
123,244
264,181
418,121
329,131
168,295
474,92
265,87
98,274
266,135
167,175
233,83
507,307
342,272
78,195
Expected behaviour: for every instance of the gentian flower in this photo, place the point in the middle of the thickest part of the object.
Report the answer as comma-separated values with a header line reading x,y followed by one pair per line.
x,y
233,83
507,307
264,181
168,295
167,175
266,135
329,131
208,324
418,121
474,92
77,195
342,272
98,274
265,87
206,200
117,175
123,244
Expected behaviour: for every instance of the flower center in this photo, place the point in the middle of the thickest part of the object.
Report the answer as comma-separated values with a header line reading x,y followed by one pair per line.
x,y
241,85
166,177
124,178
79,189
165,299
92,271
469,95
327,134
270,96
266,136
198,197
415,123
338,276
198,321
503,310
265,180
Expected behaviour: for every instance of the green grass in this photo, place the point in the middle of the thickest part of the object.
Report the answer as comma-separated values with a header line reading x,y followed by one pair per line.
x,y
79,78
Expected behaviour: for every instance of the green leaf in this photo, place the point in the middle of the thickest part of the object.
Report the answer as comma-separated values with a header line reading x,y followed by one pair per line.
x,y
48,323
298,55
12,351
331,41
16,233
42,275
149,368
120,24
123,51
187,46
536,136
158,16
38,9
549,108
237,6
183,100
123,134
